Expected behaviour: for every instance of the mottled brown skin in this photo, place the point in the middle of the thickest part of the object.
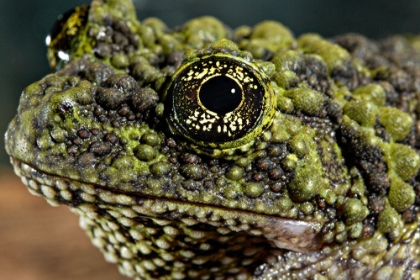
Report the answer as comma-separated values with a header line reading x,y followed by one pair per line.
x,y
322,183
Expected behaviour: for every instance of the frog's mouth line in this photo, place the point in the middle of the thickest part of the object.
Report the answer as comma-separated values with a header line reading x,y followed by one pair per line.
x,y
295,235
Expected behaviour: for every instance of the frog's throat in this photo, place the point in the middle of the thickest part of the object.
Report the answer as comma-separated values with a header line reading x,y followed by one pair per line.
x,y
295,235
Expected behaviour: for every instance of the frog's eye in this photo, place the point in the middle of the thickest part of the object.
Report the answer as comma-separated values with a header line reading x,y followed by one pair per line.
x,y
219,101
63,33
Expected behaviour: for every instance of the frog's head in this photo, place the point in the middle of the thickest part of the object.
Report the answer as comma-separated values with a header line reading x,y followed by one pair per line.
x,y
203,151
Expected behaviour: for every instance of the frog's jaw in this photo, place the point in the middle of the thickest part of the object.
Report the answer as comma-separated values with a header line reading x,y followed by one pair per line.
x,y
142,230
155,238
142,233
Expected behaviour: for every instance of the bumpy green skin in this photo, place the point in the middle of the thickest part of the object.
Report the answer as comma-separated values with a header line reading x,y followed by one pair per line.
x,y
327,188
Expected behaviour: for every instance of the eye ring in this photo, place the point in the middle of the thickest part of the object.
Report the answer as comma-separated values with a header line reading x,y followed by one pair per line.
x,y
219,101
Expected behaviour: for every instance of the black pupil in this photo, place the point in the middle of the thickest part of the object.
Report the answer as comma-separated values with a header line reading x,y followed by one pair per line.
x,y
220,94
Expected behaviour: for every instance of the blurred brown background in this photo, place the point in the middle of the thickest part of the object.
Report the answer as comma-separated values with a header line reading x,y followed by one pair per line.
x,y
38,241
